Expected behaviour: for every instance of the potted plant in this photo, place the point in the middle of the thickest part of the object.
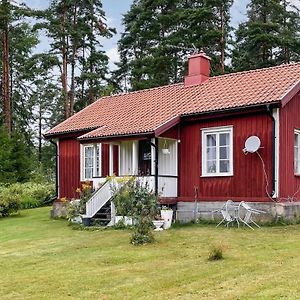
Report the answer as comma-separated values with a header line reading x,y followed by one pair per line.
x,y
73,212
165,150
167,216
84,193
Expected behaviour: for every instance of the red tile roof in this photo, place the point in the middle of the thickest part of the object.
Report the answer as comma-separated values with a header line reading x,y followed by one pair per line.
x,y
146,110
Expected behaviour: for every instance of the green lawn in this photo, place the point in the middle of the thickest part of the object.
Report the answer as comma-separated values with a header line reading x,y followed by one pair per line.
x,y
45,259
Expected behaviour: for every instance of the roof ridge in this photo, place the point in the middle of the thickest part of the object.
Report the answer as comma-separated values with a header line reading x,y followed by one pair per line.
x,y
182,83
256,70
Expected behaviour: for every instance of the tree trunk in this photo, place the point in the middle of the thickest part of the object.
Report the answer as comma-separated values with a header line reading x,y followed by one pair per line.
x,y
5,79
84,70
74,49
40,134
222,41
65,66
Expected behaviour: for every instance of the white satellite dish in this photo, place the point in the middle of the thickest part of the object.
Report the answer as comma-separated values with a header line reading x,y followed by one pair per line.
x,y
252,144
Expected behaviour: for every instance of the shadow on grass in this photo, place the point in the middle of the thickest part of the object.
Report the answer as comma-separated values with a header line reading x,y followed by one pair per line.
x,y
13,216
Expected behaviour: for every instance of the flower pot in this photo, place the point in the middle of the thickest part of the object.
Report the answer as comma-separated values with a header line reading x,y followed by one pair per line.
x,y
76,220
128,221
167,216
158,224
86,221
165,151
118,219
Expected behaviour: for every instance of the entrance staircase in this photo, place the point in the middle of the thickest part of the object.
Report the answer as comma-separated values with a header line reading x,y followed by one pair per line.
x,y
103,216
99,207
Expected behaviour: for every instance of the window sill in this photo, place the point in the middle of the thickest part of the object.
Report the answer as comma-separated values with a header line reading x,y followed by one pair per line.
x,y
297,175
217,175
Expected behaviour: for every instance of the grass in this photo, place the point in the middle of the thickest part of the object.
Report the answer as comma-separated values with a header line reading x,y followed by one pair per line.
x,y
45,259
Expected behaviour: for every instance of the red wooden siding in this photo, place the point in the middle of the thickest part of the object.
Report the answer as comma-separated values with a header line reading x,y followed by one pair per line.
x,y
69,167
105,160
289,121
248,182
171,133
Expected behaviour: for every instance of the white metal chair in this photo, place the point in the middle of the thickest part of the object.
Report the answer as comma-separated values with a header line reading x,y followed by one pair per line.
x,y
245,213
229,213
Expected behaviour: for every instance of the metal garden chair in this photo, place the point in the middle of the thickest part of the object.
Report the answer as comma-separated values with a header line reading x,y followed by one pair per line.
x,y
229,212
245,213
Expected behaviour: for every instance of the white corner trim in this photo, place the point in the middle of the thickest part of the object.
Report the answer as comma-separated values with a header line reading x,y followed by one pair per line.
x,y
275,113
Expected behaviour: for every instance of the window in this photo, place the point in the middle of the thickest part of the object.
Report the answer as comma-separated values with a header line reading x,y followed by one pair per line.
x,y
296,152
217,151
88,162
91,161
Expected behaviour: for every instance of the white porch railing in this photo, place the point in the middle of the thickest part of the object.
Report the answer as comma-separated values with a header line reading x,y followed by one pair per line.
x,y
167,185
98,200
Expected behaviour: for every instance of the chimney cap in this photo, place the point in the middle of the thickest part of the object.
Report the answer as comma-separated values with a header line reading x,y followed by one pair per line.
x,y
200,54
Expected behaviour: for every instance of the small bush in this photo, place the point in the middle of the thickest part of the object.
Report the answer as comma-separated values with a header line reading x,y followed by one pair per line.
x,y
216,252
142,233
29,202
9,204
138,238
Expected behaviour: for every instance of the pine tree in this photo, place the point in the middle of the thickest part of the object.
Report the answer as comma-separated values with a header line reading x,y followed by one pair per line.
x,y
5,17
159,33
269,37
17,43
92,61
75,28
15,157
289,34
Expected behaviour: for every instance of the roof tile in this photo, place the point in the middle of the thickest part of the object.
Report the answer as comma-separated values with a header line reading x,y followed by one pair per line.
x,y
143,111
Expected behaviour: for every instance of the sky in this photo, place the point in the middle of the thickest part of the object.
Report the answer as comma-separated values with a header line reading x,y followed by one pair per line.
x,y
115,9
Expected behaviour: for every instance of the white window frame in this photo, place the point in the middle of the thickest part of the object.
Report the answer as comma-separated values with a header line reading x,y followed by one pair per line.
x,y
217,131
82,156
95,160
297,132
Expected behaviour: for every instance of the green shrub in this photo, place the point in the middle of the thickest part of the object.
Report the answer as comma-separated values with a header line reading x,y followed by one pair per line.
x,y
9,204
30,195
29,202
216,252
132,198
142,234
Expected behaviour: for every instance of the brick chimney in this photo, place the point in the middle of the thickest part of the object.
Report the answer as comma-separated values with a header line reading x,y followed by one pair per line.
x,y
198,69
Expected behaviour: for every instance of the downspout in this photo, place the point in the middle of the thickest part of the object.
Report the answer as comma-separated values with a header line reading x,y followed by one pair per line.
x,y
269,111
155,146
56,167
156,167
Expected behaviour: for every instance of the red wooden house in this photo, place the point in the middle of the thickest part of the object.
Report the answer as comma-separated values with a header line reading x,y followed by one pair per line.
x,y
187,139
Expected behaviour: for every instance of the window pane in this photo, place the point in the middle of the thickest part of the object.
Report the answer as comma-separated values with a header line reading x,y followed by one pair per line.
x,y
296,138
211,140
224,166
88,161
224,152
211,166
224,139
211,153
